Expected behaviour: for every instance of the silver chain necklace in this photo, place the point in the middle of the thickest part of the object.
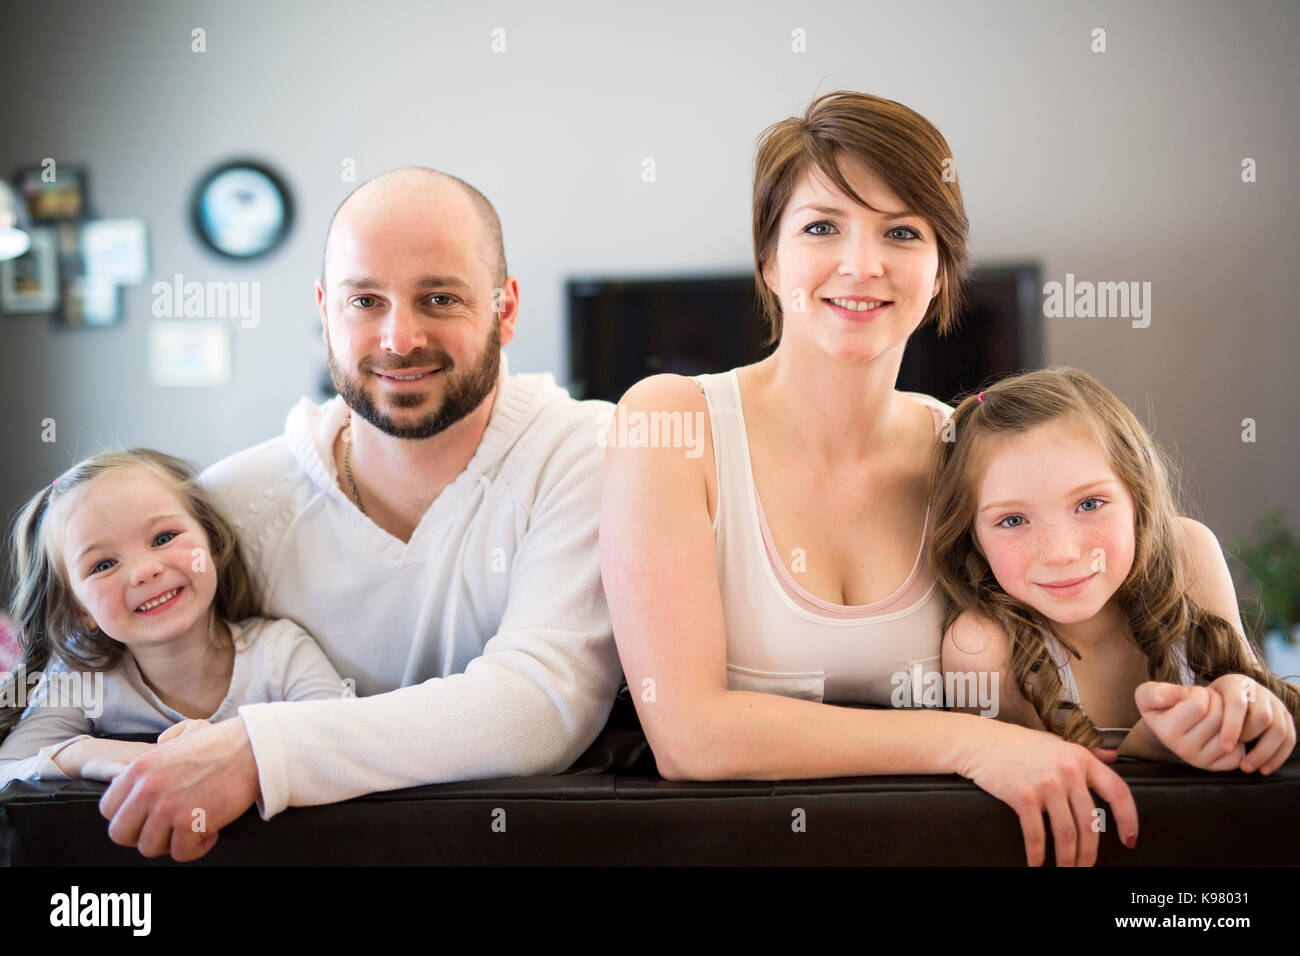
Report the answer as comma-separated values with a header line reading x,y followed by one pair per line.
x,y
347,467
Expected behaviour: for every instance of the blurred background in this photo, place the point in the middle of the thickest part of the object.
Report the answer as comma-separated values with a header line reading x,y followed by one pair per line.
x,y
156,145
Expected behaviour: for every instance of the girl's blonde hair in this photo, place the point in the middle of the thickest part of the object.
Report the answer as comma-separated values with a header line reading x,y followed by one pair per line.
x,y
1153,597
47,615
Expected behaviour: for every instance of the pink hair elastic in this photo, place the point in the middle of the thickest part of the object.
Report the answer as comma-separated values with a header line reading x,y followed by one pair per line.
x,y
981,398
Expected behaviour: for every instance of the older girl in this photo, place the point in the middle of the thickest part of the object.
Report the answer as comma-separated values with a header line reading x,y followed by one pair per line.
x,y
1068,566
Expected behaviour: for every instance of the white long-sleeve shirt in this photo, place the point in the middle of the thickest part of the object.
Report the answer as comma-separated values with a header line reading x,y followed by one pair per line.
x,y
274,660
480,648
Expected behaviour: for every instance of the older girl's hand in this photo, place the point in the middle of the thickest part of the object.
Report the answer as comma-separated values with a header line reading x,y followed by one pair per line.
x,y
1253,712
1188,721
1036,772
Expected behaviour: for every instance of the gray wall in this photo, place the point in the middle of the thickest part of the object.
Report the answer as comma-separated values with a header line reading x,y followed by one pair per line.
x,y
1114,166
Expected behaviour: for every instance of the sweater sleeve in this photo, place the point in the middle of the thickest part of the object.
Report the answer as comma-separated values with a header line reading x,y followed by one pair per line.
x,y
303,672
28,751
529,705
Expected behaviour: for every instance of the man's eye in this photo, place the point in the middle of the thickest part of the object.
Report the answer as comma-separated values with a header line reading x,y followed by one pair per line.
x,y
364,301
442,295
166,534
812,226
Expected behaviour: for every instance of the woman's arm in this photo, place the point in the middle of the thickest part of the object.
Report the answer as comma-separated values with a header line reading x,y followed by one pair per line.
x,y
658,566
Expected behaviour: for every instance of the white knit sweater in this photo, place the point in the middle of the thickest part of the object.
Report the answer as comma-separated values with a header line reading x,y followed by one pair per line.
x,y
481,648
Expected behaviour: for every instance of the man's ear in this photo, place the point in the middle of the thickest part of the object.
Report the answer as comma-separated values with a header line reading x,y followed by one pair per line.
x,y
324,312
508,300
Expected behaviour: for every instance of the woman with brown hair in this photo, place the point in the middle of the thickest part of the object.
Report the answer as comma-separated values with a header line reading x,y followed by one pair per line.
x,y
779,569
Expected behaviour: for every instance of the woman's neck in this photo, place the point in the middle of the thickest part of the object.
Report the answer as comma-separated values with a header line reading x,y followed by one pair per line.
x,y
832,410
190,675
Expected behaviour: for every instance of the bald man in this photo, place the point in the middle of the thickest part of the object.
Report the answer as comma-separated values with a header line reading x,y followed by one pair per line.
x,y
433,526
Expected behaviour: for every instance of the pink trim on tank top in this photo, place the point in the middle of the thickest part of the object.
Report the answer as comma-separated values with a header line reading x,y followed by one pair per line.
x,y
810,601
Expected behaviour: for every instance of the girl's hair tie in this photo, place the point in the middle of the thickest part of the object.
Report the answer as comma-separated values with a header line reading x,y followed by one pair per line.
x,y
981,401
56,484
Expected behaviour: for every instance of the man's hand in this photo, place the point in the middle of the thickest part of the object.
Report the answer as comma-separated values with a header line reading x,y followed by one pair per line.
x,y
178,796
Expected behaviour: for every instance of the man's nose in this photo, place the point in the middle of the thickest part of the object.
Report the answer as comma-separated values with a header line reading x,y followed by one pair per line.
x,y
403,330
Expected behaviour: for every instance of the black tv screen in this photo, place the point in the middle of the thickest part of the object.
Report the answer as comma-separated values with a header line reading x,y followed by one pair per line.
x,y
624,329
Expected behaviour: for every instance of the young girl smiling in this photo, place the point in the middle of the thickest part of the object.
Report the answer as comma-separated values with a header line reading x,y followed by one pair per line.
x,y
132,589
1069,571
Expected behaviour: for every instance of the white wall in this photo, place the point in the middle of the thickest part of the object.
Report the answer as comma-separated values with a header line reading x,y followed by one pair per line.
x,y
1114,166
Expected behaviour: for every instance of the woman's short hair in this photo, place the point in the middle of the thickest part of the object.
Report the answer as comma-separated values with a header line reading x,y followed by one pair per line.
x,y
902,147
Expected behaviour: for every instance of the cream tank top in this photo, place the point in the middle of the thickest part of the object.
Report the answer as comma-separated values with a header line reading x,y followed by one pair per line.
x,y
782,639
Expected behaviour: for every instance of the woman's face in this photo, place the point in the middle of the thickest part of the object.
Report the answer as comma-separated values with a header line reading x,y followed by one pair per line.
x,y
836,262
1055,523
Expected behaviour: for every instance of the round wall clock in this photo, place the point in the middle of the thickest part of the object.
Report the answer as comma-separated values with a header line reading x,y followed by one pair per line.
x,y
242,210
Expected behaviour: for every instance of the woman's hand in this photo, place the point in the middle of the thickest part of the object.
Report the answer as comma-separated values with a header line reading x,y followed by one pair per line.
x,y
183,727
1253,712
1036,772
1189,722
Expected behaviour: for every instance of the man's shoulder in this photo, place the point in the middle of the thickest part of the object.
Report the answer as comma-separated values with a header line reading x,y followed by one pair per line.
x,y
561,422
252,471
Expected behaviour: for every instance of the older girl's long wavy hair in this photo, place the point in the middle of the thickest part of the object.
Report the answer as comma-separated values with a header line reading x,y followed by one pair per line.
x,y
50,619
1153,597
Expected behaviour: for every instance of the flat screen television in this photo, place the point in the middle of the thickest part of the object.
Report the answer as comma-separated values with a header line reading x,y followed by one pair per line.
x,y
624,329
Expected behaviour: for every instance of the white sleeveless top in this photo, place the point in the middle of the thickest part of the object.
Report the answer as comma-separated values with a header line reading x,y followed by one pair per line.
x,y
781,639
1111,737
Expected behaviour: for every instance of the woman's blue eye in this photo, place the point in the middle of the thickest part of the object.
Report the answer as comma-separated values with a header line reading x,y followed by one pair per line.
x,y
915,234
166,534
1003,524
813,225
1086,500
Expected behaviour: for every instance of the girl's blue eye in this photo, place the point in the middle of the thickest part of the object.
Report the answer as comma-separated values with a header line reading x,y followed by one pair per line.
x,y
1090,510
95,568
813,225
1003,524
166,534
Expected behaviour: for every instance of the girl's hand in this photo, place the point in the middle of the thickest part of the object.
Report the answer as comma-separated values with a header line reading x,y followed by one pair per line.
x,y
183,727
1251,711
1188,721
1035,772
110,757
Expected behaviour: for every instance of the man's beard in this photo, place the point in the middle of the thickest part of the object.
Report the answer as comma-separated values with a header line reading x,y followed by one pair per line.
x,y
464,392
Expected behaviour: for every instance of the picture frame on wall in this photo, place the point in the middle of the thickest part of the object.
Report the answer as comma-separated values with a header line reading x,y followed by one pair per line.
x,y
29,284
64,199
